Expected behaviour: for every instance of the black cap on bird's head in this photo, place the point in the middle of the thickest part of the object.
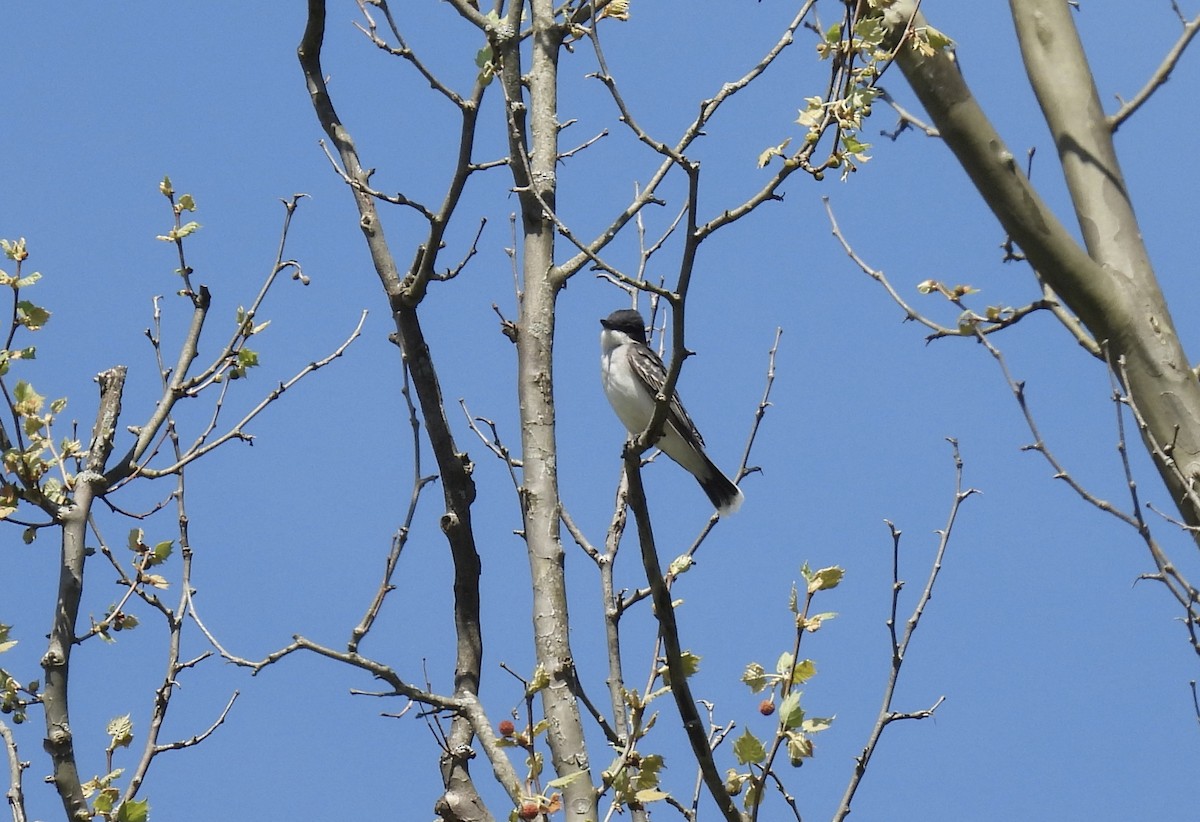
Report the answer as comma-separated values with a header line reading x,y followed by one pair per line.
x,y
627,321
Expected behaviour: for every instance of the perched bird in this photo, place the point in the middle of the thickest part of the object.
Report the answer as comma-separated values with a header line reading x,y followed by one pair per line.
x,y
633,375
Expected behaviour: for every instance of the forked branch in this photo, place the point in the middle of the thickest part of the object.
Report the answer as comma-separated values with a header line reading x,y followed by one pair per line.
x,y
900,640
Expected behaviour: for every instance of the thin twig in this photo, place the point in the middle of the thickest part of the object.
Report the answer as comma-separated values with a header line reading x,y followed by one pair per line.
x,y
196,739
1161,74
901,642
970,323
907,119
403,50
16,794
760,412
1195,701
237,432
1039,444
400,538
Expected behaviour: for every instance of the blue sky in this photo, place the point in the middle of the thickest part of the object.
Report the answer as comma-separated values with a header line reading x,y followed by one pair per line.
x,y
1065,684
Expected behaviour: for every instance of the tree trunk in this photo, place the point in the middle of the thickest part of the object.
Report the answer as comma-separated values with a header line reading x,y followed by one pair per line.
x,y
1110,285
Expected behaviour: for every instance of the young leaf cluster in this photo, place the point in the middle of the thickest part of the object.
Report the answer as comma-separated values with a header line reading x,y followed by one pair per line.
x,y
30,456
860,49
794,729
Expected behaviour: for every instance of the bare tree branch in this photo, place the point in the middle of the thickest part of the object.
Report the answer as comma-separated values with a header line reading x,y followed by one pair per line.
x,y
404,295
238,431
15,793
887,715
1110,286
1160,76
664,610
400,539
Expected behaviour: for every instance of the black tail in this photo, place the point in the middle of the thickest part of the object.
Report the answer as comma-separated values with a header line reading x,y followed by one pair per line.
x,y
725,496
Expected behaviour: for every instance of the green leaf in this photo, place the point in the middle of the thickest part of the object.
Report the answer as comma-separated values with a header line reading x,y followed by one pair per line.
x,y
825,579
790,712
105,799
10,500
854,145
483,57
487,69
680,565
134,810
33,426
14,250
748,749
28,401
97,783
799,748
648,771
165,187
176,234
187,203
5,642
565,780
31,316
616,9
160,553
755,676
753,795
805,670
540,680
734,781
784,664
127,622
937,39
137,540
815,621
773,151
187,228
870,30
691,664
535,763
69,448
649,795
816,724
120,732
54,491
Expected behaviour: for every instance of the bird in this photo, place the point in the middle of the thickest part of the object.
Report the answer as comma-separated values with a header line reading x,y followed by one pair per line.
x,y
633,375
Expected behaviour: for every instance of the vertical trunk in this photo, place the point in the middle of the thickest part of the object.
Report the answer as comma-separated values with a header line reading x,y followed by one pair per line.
x,y
534,160
1159,379
56,662
404,295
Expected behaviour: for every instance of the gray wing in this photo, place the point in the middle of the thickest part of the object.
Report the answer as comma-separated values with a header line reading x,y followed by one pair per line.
x,y
651,371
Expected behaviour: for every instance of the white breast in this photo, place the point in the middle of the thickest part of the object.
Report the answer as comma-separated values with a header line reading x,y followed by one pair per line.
x,y
629,399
